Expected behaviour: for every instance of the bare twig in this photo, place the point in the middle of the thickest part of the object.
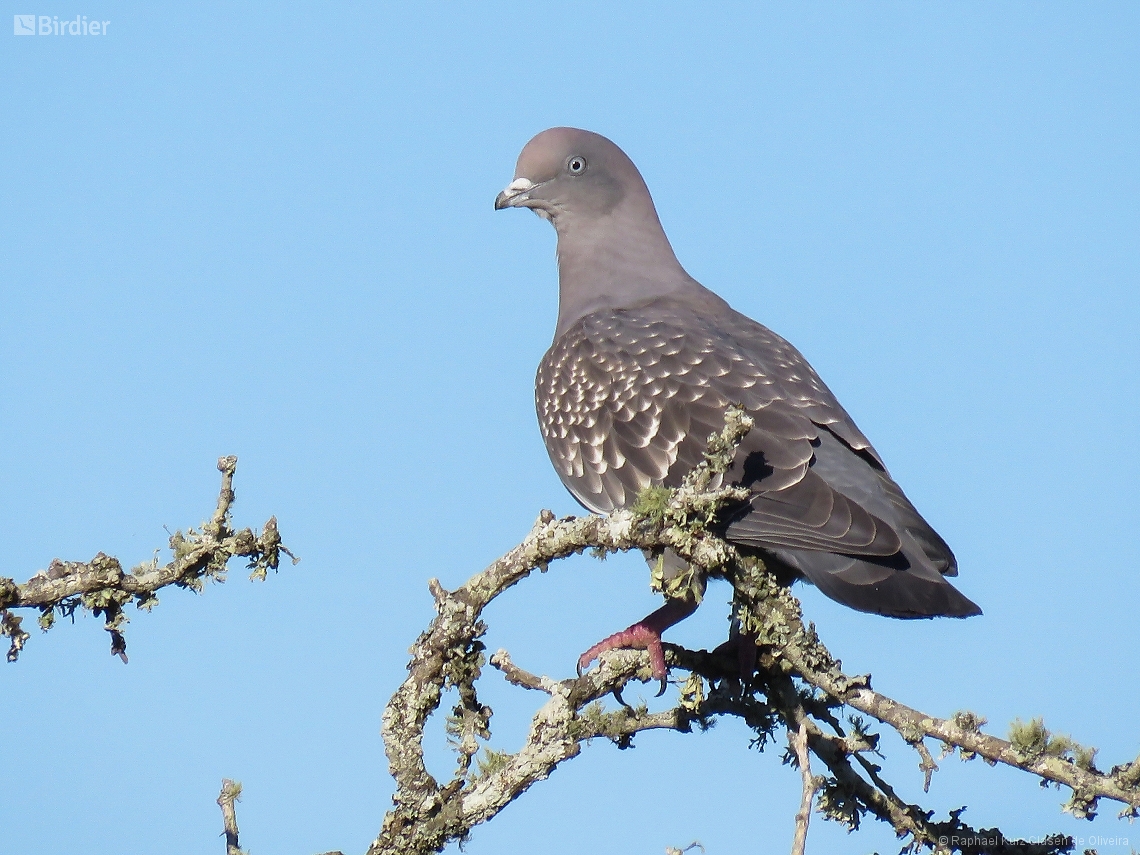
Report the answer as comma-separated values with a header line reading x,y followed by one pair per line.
x,y
926,764
518,677
799,743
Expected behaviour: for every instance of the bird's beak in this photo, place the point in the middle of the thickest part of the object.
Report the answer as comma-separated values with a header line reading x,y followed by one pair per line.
x,y
515,194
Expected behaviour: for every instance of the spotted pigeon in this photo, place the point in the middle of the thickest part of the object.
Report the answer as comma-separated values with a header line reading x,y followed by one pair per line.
x,y
644,363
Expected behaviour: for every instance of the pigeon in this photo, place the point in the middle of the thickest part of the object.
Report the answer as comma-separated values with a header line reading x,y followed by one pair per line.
x,y
644,363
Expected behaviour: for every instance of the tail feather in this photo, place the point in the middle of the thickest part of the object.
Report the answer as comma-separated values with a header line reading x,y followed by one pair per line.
x,y
886,587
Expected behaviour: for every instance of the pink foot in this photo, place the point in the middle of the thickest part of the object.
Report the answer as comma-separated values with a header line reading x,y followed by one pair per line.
x,y
643,635
637,637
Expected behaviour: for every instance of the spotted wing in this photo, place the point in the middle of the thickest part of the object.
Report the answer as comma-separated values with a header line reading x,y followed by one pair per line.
x,y
628,398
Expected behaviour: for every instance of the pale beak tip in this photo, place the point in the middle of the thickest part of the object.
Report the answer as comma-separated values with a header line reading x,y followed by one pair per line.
x,y
514,194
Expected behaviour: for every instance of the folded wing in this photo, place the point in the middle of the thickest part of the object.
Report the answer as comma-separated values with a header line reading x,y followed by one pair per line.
x,y
628,397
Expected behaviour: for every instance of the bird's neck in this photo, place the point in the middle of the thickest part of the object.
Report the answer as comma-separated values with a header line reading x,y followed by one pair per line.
x,y
608,263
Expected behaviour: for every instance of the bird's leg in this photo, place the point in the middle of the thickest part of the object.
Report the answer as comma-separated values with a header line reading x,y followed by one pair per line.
x,y
747,655
644,635
743,646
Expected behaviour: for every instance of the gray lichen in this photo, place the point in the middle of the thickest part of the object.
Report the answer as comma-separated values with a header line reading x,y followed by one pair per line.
x,y
102,588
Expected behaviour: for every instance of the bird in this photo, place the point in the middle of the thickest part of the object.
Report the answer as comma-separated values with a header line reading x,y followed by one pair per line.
x,y
644,363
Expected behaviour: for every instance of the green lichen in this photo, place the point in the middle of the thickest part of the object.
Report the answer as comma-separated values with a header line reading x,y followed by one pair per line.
x,y
1029,739
104,600
692,694
652,504
180,545
839,804
10,628
146,566
967,721
1128,774
862,738
686,584
491,761
8,591
593,721
1032,740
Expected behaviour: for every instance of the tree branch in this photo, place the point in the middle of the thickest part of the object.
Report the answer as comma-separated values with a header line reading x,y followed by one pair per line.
x,y
102,587
799,743
449,654
231,792
775,615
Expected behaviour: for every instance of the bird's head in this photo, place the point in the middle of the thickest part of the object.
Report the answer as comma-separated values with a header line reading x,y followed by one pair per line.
x,y
612,250
567,171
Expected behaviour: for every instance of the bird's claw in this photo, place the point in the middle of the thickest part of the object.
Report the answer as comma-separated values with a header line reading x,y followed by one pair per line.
x,y
637,637
589,657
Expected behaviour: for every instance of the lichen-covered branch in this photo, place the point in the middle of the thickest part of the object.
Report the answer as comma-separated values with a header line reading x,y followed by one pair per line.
x,y
796,684
231,792
773,613
449,655
104,588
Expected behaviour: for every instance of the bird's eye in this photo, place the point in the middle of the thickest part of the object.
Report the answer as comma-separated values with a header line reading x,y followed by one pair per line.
x,y
576,165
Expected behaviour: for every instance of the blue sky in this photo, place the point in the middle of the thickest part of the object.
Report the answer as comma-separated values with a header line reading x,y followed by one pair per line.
x,y
268,232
